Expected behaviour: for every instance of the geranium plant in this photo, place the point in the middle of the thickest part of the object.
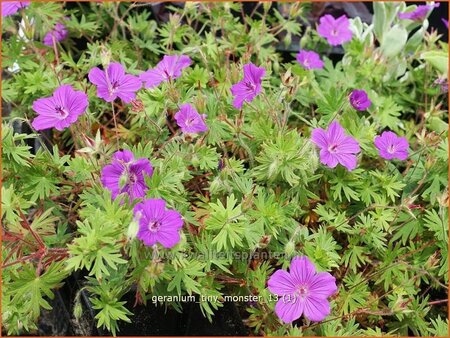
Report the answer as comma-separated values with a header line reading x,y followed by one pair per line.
x,y
190,157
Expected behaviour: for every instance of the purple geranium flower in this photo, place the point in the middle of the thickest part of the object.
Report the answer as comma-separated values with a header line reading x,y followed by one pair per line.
x,y
391,146
189,120
442,82
126,175
156,224
59,110
309,60
249,87
302,291
359,100
11,7
336,31
59,33
167,69
445,22
335,146
115,83
419,13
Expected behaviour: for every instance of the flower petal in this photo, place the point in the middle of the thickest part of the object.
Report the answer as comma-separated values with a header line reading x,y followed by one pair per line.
x,y
153,209
316,309
335,133
289,310
168,237
142,165
97,77
149,238
322,285
281,283
328,159
152,78
123,156
44,106
348,145
116,72
347,160
172,219
42,122
301,270
130,83
319,137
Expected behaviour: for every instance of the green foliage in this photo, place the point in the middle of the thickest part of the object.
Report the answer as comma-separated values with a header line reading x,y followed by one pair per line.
x,y
288,158
228,222
251,190
28,293
97,248
105,298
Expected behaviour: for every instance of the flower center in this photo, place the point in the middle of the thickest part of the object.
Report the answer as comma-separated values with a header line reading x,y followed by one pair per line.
x,y
167,74
332,148
62,112
250,86
154,226
334,32
391,149
302,291
127,179
114,86
190,121
132,178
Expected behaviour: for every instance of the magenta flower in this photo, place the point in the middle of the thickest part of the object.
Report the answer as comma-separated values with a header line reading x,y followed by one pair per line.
x,y
302,291
126,175
335,146
115,83
419,13
442,82
59,110
249,87
12,7
167,69
156,224
189,120
336,31
309,60
445,22
359,100
391,146
59,33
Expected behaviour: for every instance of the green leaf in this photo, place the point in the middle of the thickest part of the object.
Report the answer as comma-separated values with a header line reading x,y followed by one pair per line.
x,y
31,289
438,59
353,293
394,41
228,221
379,19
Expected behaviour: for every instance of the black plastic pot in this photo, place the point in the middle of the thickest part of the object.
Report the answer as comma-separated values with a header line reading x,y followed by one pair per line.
x,y
147,320
55,322
153,320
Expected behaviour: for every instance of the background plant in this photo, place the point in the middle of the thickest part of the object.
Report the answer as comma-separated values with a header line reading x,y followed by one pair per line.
x,y
252,183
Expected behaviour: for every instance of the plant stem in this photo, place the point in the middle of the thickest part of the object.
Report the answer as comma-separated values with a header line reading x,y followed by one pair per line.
x,y
115,123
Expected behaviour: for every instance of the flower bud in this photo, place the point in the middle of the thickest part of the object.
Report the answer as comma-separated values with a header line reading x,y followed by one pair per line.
x,y
289,249
443,199
123,180
132,230
432,261
264,241
105,56
155,269
429,163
